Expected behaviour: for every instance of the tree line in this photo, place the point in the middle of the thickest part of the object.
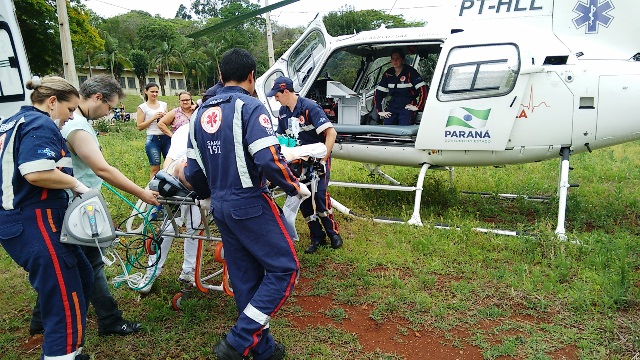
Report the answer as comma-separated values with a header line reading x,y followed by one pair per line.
x,y
141,41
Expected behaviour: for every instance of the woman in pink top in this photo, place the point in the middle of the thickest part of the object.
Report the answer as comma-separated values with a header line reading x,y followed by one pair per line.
x,y
178,116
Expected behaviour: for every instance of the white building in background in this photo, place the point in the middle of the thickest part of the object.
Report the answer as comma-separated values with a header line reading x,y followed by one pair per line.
x,y
175,81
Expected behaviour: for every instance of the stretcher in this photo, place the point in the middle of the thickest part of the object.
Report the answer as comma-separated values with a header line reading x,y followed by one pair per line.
x,y
142,236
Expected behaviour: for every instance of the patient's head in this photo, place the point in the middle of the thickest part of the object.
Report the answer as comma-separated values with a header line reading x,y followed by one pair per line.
x,y
176,168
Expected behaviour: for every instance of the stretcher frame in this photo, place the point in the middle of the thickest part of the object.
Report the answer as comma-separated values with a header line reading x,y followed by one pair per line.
x,y
171,206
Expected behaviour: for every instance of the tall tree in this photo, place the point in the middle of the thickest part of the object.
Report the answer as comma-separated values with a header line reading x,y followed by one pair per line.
x,y
206,8
124,28
84,36
183,13
112,58
140,64
38,25
163,42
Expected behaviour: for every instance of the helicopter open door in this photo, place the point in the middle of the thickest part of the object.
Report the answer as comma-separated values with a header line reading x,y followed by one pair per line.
x,y
298,63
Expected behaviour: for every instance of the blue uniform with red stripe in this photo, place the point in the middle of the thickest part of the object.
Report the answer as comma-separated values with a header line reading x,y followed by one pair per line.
x,y
406,88
30,222
312,122
232,151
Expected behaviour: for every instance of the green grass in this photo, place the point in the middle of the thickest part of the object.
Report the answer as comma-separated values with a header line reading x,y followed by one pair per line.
x,y
529,297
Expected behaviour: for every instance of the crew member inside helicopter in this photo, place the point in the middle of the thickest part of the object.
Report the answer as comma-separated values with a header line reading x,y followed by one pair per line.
x,y
406,89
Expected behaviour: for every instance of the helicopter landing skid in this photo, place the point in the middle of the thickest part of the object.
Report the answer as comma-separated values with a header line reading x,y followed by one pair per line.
x,y
563,187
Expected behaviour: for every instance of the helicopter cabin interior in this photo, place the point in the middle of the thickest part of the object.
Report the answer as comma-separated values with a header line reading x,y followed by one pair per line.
x,y
345,86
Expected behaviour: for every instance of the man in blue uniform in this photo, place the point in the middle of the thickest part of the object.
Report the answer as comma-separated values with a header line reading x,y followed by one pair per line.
x,y
305,120
232,152
406,88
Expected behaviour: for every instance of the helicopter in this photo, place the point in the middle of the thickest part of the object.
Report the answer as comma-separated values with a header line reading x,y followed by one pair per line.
x,y
510,82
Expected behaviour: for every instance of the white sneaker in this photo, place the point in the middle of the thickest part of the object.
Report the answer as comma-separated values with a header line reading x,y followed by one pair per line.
x,y
147,281
187,276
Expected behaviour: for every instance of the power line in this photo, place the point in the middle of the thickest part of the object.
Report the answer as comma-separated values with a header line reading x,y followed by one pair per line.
x,y
108,3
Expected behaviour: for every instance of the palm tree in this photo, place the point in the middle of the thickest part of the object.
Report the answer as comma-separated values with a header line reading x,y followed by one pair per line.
x,y
163,57
111,57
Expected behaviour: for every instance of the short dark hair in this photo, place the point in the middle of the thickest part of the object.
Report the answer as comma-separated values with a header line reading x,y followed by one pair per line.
x,y
236,65
398,51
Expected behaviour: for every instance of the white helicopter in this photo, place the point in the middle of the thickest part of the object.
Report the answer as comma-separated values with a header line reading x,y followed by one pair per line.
x,y
514,81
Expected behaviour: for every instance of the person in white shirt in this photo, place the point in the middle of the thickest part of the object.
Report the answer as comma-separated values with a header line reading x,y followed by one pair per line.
x,y
149,113
190,217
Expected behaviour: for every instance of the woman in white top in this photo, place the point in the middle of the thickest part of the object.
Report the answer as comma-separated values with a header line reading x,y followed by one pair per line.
x,y
149,113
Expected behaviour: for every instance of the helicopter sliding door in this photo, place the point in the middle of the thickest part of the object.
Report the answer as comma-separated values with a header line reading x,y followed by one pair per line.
x,y
474,106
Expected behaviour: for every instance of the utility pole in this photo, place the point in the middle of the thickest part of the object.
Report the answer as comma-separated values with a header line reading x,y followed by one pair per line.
x,y
68,63
269,36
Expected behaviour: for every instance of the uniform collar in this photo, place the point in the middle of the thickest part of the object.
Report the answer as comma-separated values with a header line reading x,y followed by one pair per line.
x,y
233,89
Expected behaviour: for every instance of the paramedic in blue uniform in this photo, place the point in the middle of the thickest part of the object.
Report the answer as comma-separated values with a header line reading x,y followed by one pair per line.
x,y
314,127
406,88
232,153
36,169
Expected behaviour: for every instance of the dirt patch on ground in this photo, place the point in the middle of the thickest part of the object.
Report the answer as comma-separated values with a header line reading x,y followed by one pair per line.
x,y
33,344
395,336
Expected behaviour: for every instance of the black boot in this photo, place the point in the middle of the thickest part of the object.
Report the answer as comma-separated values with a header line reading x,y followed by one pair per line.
x,y
121,327
314,246
278,353
224,351
336,241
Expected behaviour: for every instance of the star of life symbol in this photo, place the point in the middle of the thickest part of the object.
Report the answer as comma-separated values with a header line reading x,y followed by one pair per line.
x,y
211,119
591,13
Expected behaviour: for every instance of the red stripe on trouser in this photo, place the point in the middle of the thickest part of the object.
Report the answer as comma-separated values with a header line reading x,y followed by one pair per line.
x,y
63,288
327,205
276,214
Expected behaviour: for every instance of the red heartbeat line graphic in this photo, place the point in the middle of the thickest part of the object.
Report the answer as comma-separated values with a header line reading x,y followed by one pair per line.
x,y
530,106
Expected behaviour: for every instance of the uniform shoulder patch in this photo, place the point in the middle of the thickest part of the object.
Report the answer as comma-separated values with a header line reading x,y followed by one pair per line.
x,y
211,119
265,121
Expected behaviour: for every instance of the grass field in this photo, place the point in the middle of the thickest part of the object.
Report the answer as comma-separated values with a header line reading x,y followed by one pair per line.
x,y
404,292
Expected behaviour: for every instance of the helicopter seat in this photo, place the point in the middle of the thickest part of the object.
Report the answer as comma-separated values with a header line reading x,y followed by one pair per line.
x,y
392,133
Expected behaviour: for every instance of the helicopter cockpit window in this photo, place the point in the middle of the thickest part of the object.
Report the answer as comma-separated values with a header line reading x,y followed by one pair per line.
x,y
304,58
479,71
11,88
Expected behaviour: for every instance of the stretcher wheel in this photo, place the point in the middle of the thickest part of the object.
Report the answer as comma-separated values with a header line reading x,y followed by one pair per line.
x,y
148,246
176,302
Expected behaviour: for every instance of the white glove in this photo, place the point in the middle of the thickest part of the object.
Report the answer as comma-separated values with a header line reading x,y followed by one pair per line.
x,y
411,107
304,192
384,114
79,188
204,204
